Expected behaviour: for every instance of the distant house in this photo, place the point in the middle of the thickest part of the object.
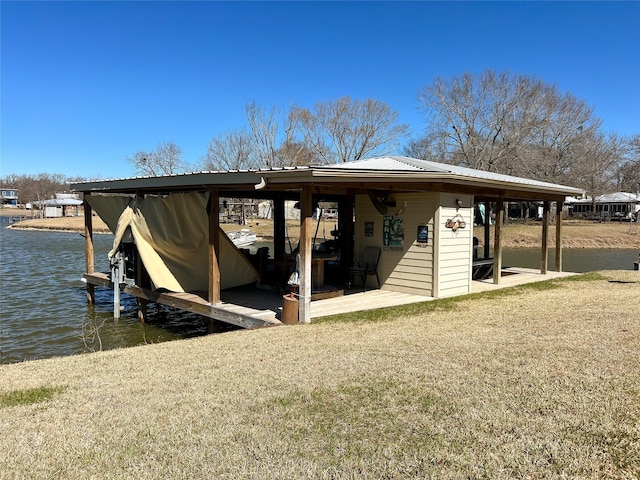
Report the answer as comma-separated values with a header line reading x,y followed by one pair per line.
x,y
612,206
9,197
65,204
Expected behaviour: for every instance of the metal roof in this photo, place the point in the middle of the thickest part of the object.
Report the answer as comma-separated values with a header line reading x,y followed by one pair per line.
x,y
406,164
61,202
617,197
392,170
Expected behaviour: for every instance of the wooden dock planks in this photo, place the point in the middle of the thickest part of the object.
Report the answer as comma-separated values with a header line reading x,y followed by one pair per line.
x,y
234,314
368,300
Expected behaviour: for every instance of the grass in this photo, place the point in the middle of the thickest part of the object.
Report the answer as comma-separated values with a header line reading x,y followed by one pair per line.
x,y
538,382
452,303
28,397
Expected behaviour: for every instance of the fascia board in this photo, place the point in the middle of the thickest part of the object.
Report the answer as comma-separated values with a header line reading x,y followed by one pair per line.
x,y
170,182
336,176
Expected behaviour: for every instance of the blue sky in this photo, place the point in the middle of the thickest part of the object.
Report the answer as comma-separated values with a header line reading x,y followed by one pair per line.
x,y
87,84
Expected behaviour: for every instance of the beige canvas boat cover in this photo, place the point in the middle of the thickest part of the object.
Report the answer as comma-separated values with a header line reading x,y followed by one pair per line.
x,y
171,235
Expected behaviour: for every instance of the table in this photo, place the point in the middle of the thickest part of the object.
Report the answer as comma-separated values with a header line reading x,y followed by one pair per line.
x,y
317,268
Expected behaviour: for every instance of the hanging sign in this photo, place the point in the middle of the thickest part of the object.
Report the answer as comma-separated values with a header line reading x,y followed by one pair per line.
x,y
368,229
456,222
422,237
392,231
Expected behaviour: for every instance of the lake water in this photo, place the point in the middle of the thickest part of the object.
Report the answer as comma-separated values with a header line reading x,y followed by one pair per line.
x,y
573,260
43,305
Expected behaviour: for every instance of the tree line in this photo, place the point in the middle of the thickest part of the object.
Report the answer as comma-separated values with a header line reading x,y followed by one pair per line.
x,y
38,187
519,125
332,131
495,121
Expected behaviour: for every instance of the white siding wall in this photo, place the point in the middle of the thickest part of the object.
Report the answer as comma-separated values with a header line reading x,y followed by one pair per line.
x,y
454,250
410,269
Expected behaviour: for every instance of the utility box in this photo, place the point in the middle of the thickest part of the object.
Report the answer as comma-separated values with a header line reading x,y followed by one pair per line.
x,y
52,212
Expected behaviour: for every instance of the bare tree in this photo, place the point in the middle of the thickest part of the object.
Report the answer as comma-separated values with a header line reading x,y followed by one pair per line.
x,y
628,174
165,159
343,130
293,153
264,129
427,147
294,150
36,188
472,119
563,130
598,158
230,151
505,123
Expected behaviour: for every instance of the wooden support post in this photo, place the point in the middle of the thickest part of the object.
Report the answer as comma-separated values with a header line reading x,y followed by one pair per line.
x,y
214,246
559,204
306,237
497,242
88,249
279,229
544,254
142,309
487,230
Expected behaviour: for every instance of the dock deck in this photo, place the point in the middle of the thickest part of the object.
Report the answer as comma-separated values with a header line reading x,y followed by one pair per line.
x,y
251,307
249,310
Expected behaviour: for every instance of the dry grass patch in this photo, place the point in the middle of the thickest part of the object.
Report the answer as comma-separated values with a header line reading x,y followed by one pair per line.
x,y
62,224
537,383
575,234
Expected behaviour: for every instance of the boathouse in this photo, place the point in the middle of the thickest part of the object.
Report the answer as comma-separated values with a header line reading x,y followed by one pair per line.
x,y
416,219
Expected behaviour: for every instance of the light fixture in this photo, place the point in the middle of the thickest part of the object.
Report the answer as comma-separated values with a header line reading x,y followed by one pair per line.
x,y
458,203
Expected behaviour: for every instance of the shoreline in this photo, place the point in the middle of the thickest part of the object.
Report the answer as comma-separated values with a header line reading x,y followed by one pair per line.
x,y
57,230
595,243
575,234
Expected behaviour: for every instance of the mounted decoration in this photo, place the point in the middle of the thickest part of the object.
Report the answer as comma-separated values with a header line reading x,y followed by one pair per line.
x,y
368,229
392,232
422,236
381,201
455,223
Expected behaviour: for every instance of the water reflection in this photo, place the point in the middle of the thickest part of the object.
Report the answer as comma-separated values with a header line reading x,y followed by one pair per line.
x,y
577,260
43,304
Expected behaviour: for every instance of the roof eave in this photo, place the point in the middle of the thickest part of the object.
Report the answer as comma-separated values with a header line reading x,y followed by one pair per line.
x,y
369,176
170,182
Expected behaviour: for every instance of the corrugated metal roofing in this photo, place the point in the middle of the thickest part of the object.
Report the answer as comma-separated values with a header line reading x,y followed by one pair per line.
x,y
61,202
374,169
617,197
406,164
376,164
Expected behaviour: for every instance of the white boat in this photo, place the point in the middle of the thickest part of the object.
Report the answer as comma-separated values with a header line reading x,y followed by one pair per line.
x,y
242,238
